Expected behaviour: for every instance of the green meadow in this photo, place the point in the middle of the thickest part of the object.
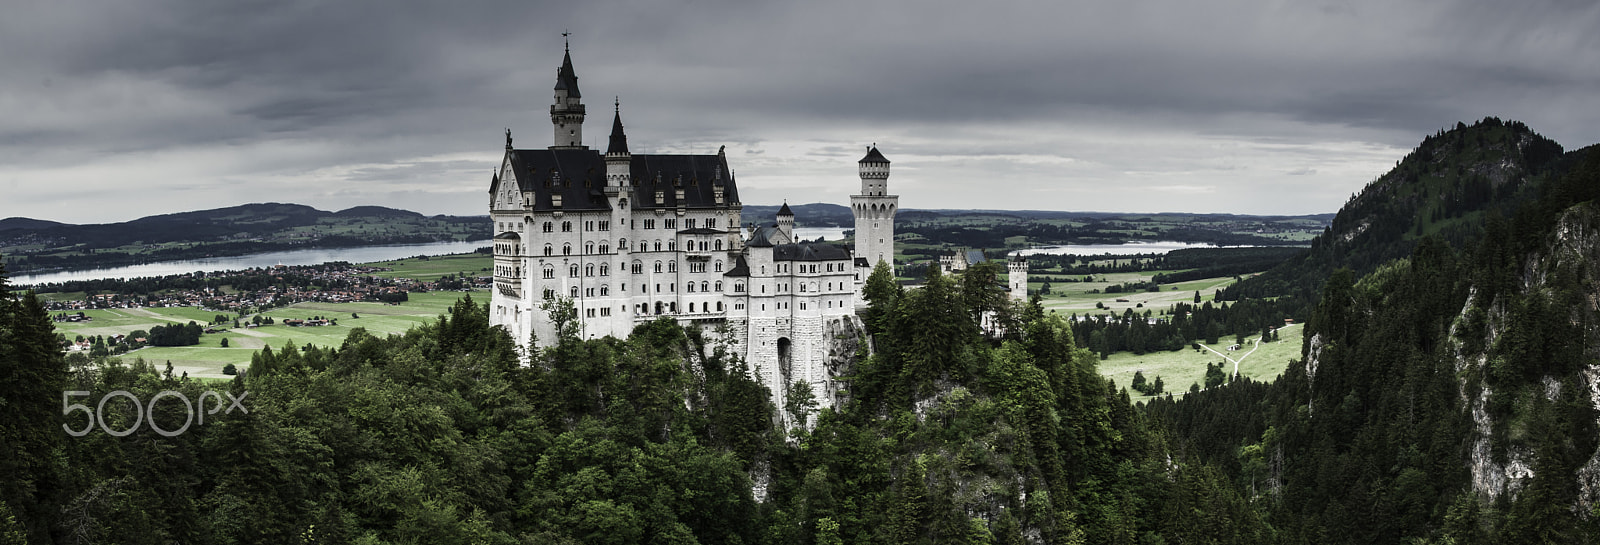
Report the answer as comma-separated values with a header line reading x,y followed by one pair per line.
x,y
1184,367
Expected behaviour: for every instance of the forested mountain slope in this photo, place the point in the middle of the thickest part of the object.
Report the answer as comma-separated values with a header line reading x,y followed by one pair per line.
x,y
1447,186
1447,397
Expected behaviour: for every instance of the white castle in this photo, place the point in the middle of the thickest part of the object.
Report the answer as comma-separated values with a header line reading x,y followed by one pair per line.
x,y
631,238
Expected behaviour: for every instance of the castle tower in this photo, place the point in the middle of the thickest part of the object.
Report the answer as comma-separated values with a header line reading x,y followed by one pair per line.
x,y
1017,277
786,222
566,115
618,160
874,209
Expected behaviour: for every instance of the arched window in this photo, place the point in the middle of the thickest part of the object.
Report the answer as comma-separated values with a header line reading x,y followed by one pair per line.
x,y
690,287
719,306
719,266
605,248
566,227
658,266
548,250
605,290
574,292
643,246
672,266
588,270
566,249
672,245
705,286
638,267
622,244
588,248
549,227
572,270
549,272
658,245
719,285
719,247
605,269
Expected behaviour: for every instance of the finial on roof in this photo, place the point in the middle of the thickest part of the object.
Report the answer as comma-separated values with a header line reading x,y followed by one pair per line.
x,y
565,38
508,138
617,103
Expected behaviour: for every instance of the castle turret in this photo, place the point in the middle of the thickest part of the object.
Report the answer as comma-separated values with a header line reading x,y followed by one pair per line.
x,y
1017,277
618,160
566,115
786,222
874,209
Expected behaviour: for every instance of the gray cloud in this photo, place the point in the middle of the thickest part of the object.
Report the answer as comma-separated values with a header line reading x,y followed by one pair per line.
x,y
1148,106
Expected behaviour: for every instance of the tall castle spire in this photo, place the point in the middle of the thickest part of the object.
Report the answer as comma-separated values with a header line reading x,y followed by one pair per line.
x,y
566,115
619,140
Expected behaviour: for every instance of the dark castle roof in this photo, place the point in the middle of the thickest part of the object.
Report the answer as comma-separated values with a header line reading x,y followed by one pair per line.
x,y
567,78
619,140
785,210
873,156
809,251
508,235
740,267
579,175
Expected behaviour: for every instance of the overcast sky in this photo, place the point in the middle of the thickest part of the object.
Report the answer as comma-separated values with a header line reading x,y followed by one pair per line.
x,y
115,110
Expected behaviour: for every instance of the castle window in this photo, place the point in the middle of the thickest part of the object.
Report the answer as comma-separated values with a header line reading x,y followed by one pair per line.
x,y
605,290
649,224
690,287
572,270
591,312
672,245
672,288
802,306
658,268
566,249
719,285
719,246
691,307
588,270
549,272
605,269
802,287
588,226
672,266
705,286
643,246
605,248
670,223
549,293
658,245
719,263
574,292
566,227
688,223
719,306
548,250
622,244
638,268
605,225
605,311
738,287
549,227
588,292
588,248
711,223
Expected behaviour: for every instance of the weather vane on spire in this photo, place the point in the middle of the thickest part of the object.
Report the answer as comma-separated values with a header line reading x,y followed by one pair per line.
x,y
565,38
617,102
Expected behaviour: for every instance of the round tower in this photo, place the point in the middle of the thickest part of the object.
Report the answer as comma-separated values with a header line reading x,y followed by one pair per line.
x,y
874,209
786,222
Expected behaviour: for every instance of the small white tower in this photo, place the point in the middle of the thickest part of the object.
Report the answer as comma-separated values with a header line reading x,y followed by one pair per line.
x,y
566,115
874,209
1017,277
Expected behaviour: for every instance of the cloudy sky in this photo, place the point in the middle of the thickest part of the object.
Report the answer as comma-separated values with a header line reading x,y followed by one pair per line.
x,y
118,109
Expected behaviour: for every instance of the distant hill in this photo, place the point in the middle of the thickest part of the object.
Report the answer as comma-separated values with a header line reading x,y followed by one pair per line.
x,y
26,223
1446,186
376,212
234,230
816,214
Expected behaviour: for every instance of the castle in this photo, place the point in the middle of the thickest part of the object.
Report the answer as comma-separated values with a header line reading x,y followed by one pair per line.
x,y
631,238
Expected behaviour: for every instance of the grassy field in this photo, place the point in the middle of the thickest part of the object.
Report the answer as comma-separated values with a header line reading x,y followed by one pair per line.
x,y
207,359
1182,368
1075,297
432,268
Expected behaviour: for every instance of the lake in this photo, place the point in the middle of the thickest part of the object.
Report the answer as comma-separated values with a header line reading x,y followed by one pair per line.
x,y
1131,248
314,256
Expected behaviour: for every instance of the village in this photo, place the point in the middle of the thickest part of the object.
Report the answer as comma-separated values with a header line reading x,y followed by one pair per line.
x,y
255,290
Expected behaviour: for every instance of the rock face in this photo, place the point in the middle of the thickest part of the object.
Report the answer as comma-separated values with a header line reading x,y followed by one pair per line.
x,y
1572,252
